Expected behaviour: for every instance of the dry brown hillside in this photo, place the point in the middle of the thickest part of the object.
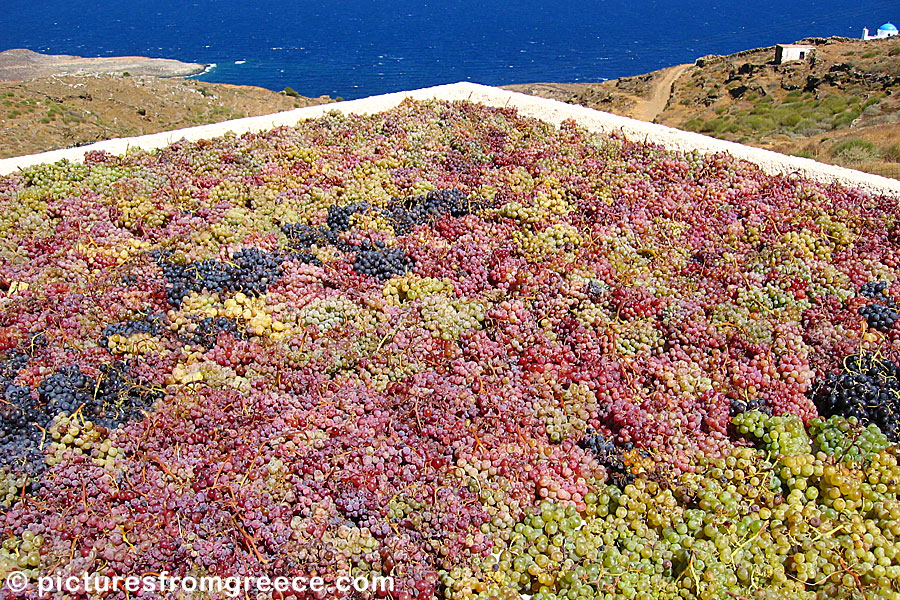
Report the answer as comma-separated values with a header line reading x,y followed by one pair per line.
x,y
57,112
841,106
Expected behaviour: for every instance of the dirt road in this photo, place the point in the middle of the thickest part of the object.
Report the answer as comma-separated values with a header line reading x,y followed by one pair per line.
x,y
648,109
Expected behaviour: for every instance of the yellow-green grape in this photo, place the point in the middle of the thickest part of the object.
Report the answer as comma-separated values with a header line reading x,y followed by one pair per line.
x,y
541,244
70,436
328,313
846,438
22,554
779,434
12,486
448,318
412,287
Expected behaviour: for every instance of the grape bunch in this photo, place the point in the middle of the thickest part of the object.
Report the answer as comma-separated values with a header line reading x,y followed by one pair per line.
x,y
875,290
150,326
882,313
206,332
250,270
611,455
879,316
419,210
68,390
867,389
300,238
756,404
381,262
111,399
21,422
339,216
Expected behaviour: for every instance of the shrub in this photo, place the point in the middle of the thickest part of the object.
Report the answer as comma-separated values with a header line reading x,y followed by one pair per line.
x,y
289,91
789,120
891,153
755,123
844,118
693,124
713,126
835,104
855,151
808,127
872,109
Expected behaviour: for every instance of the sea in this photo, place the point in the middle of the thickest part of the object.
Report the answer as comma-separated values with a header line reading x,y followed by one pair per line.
x,y
357,48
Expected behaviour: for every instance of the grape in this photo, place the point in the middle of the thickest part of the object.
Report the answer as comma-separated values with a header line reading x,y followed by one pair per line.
x,y
150,326
866,389
874,289
488,356
339,216
207,331
419,210
381,262
879,316
250,270
610,455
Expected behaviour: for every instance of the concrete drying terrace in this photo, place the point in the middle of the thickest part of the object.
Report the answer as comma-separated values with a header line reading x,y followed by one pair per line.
x,y
550,111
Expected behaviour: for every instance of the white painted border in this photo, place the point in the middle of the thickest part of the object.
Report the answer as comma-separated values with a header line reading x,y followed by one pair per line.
x,y
550,111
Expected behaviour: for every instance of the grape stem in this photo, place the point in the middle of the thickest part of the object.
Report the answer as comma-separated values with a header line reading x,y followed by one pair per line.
x,y
828,533
693,573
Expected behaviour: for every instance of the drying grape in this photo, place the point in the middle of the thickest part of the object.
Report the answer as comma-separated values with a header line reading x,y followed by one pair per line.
x,y
488,356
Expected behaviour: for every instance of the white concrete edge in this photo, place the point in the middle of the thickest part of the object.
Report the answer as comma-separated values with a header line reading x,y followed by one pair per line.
x,y
550,111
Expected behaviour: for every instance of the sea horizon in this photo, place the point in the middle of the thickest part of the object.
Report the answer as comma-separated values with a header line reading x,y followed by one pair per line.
x,y
363,48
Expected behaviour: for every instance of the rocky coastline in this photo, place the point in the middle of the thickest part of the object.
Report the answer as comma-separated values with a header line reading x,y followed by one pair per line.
x,y
20,65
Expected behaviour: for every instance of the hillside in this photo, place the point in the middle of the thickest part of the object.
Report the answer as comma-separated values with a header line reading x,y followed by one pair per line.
x,y
61,111
840,106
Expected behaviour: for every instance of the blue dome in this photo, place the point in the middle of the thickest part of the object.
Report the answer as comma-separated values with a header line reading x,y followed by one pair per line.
x,y
887,27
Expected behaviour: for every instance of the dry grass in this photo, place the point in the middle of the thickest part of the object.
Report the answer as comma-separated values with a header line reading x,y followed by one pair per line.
x,y
58,112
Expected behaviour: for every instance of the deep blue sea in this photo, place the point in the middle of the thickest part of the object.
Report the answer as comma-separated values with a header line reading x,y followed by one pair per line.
x,y
355,48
